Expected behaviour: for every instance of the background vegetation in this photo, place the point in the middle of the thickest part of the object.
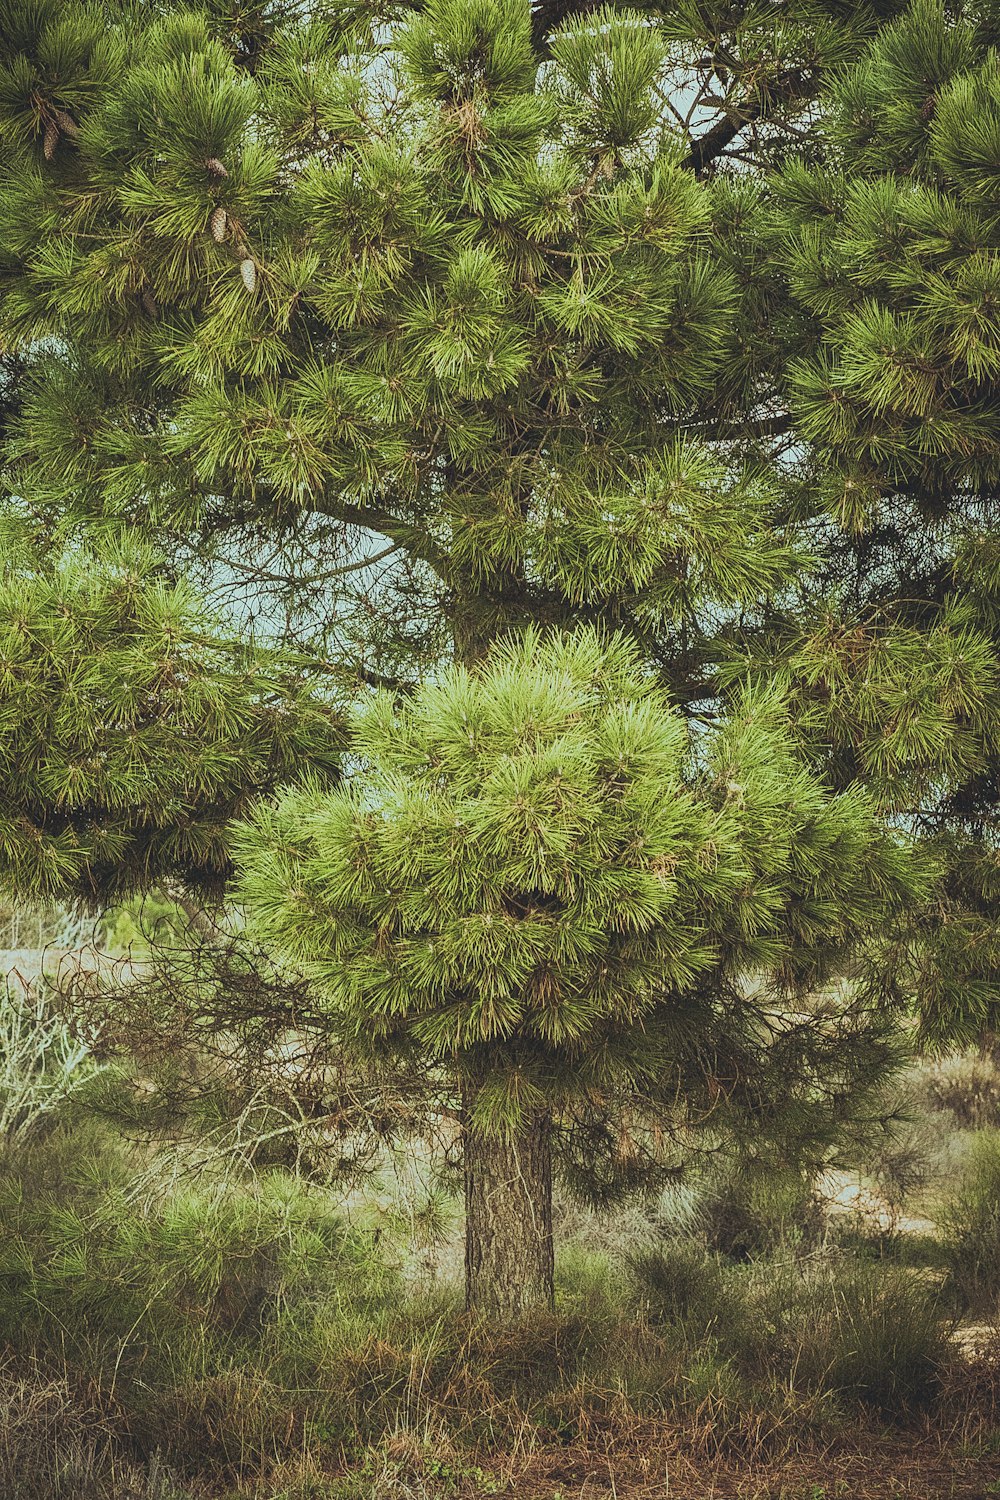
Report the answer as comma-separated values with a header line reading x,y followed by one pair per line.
x,y
179,1324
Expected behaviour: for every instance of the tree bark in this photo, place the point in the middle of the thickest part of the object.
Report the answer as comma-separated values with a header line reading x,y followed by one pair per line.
x,y
508,1219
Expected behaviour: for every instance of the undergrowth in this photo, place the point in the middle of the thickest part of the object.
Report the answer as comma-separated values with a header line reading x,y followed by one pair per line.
x,y
971,1221
213,1333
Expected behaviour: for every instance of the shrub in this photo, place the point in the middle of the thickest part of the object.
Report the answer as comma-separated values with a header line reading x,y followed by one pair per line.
x,y
238,1328
967,1084
872,1332
903,1161
216,1256
742,1210
678,1281
42,1064
589,1283
199,1313
55,1445
752,1213
971,1220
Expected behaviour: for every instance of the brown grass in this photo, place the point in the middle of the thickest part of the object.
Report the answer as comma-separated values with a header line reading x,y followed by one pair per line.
x,y
61,1443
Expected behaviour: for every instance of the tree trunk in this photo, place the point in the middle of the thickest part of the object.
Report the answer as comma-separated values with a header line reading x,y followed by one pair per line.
x,y
508,1219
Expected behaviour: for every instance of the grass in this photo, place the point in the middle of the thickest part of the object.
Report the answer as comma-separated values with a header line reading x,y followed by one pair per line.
x,y
971,1221
240,1338
870,1333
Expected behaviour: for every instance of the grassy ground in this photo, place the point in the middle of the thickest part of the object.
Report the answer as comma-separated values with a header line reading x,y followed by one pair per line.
x,y
619,1459
176,1337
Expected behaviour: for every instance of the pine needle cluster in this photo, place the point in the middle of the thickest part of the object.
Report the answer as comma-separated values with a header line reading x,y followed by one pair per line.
x,y
528,871
129,736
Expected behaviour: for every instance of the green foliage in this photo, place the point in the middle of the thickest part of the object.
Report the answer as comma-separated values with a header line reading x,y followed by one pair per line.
x,y
678,1281
215,1260
403,281
183,1297
874,1334
423,318
884,258
129,735
235,1330
528,870
451,283
972,1223
900,277
907,710
751,1209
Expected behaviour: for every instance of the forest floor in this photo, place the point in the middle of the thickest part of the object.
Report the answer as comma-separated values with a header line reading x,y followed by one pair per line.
x,y
904,1466
173,1329
651,1464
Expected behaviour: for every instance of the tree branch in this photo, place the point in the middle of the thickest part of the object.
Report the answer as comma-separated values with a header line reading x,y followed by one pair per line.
x,y
787,88
546,15
404,534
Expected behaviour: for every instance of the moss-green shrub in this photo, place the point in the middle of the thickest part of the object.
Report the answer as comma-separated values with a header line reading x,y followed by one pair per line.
x,y
201,1309
678,1281
873,1333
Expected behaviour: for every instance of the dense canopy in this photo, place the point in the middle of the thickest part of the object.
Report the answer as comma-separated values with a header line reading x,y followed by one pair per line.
x,y
129,737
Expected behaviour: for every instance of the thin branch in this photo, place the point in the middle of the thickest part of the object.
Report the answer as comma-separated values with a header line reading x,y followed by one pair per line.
x,y
788,88
404,534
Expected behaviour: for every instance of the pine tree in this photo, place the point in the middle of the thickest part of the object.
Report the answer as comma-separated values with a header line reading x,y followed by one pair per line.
x,y
460,303
533,885
889,250
425,318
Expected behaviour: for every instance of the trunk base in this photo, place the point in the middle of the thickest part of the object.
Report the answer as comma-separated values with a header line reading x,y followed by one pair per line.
x,y
508,1220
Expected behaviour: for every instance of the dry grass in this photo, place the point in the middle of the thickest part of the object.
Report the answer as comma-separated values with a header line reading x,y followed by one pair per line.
x,y
238,1341
64,1442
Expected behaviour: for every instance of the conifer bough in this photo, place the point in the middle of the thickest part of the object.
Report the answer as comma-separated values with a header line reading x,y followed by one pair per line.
x,y
890,246
522,877
463,304
130,735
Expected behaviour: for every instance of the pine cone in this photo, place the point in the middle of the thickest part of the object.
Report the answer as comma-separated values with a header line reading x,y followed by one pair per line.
x,y
214,166
149,302
67,124
51,140
218,223
248,271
